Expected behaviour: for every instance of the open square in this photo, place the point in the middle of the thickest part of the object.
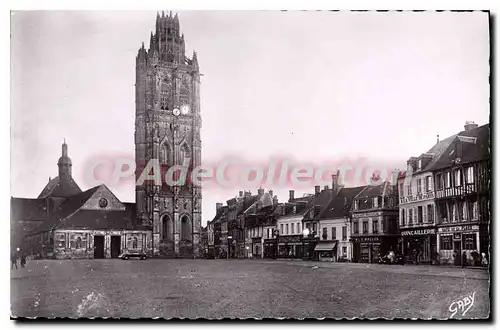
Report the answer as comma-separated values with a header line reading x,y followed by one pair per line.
x,y
243,289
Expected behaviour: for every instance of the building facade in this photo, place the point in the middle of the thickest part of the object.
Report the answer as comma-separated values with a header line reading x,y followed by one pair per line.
x,y
462,178
167,134
374,222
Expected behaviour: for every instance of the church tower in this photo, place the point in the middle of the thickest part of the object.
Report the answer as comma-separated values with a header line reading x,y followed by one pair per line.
x,y
167,130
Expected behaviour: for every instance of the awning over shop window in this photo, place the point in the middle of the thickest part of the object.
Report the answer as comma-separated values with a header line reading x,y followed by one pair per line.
x,y
325,246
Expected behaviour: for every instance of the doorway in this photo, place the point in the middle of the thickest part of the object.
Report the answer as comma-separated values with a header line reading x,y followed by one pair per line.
x,y
98,247
115,246
457,248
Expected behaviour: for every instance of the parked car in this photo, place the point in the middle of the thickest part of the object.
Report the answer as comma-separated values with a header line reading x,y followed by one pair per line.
x,y
128,255
398,259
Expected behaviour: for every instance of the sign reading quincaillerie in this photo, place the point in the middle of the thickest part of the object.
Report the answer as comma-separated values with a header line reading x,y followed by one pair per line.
x,y
417,232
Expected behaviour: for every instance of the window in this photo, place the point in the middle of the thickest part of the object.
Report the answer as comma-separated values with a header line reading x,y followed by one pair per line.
x,y
447,180
344,233
446,242
428,183
470,174
375,202
458,178
134,243
439,181
298,228
334,233
286,229
356,205
454,213
410,217
375,226
430,213
281,228
325,234
365,227
78,243
420,214
344,251
419,166
469,241
293,226
419,186
402,217
401,188
409,188
461,207
356,227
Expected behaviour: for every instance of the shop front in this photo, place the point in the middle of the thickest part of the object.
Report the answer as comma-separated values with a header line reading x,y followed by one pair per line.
x,y
454,240
326,250
367,249
308,245
290,246
270,248
256,248
419,243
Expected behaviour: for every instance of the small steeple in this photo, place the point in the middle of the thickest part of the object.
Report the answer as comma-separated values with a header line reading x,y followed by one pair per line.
x,y
437,138
64,164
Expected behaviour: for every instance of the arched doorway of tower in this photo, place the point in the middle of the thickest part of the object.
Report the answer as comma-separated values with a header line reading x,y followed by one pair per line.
x,y
167,233
186,228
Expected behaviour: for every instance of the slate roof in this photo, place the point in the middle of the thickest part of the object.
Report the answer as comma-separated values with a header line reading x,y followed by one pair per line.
x,y
437,150
373,191
471,152
54,188
27,209
341,204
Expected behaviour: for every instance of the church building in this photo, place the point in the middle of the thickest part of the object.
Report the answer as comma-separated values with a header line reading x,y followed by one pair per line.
x,y
167,131
66,223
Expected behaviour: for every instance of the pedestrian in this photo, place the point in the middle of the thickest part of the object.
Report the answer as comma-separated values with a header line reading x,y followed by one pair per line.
x,y
484,261
13,260
23,261
464,260
417,252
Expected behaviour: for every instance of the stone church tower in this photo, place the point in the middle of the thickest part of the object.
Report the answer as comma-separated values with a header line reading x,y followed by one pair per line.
x,y
167,129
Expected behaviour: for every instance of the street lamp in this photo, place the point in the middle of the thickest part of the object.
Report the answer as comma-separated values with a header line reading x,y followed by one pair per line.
x,y
306,232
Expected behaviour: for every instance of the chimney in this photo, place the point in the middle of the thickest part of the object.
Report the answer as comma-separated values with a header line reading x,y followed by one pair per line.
x,y
241,193
326,188
271,193
317,190
292,195
470,125
247,194
218,206
336,186
275,200
260,192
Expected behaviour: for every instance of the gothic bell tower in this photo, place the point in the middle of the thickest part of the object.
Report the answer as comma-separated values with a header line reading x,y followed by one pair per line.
x,y
167,130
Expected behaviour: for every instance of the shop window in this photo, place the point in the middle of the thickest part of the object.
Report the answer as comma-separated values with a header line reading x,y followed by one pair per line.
x,y
365,227
334,233
446,242
344,233
344,251
469,242
134,242
375,226
356,227
430,213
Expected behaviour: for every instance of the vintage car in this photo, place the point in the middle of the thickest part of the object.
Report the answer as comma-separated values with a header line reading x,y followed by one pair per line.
x,y
129,255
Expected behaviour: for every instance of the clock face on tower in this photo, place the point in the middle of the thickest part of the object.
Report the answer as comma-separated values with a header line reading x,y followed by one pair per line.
x,y
176,112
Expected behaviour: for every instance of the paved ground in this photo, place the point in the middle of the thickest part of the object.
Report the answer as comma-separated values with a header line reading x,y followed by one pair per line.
x,y
243,289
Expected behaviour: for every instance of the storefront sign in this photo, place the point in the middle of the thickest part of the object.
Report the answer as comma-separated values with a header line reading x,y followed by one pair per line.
x,y
373,239
366,215
290,239
418,232
458,228
256,240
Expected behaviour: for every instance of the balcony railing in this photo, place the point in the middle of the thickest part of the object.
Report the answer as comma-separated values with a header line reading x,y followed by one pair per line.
x,y
456,191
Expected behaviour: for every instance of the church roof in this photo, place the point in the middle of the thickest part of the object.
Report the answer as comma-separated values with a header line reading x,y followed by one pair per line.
x,y
55,188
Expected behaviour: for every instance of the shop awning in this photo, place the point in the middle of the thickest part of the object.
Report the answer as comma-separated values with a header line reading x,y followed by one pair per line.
x,y
325,246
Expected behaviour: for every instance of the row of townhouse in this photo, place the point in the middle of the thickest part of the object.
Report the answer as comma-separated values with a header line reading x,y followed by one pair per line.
x,y
437,209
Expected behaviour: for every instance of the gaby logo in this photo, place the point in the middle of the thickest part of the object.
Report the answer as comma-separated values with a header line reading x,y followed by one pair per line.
x,y
463,305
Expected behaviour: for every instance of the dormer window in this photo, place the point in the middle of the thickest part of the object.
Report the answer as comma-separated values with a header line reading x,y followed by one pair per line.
x,y
356,205
375,202
419,165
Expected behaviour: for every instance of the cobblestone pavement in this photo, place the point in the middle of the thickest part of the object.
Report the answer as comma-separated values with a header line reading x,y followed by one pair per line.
x,y
243,289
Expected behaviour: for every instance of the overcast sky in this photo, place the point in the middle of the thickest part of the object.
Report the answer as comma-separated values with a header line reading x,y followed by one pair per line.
x,y
312,85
